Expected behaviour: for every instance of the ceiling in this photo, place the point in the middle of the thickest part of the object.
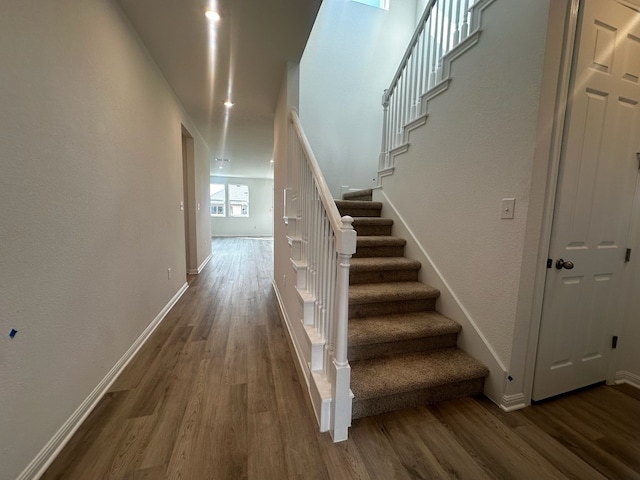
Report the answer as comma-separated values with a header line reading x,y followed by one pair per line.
x,y
245,53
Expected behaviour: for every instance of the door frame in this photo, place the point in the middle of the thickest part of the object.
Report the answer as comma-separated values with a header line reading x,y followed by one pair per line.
x,y
190,205
570,13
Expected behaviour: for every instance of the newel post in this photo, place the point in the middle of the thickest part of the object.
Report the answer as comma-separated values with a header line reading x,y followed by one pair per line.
x,y
341,392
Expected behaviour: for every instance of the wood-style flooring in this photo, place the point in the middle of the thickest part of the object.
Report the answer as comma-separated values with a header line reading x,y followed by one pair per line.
x,y
214,394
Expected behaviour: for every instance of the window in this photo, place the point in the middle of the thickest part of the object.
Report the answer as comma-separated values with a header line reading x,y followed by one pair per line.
x,y
383,4
235,196
238,201
218,199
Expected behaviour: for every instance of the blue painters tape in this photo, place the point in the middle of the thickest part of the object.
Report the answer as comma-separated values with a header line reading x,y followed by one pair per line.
x,y
13,333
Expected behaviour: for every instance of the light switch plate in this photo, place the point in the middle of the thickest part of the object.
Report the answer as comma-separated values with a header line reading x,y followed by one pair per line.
x,y
508,207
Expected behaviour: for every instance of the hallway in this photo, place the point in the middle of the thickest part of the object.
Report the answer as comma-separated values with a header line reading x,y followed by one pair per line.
x,y
214,394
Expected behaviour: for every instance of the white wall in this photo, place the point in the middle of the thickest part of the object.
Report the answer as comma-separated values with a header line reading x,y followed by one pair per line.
x,y
91,183
259,223
351,56
477,148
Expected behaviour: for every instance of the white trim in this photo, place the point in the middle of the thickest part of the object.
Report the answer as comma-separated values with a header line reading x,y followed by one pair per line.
x,y
457,51
623,376
287,322
201,267
432,93
510,403
384,172
320,395
476,20
478,345
550,194
417,122
50,451
235,235
318,385
632,4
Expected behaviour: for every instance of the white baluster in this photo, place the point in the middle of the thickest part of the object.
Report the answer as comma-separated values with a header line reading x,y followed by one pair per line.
x,y
458,21
396,141
414,82
401,106
325,272
440,46
449,29
434,47
464,31
423,61
406,101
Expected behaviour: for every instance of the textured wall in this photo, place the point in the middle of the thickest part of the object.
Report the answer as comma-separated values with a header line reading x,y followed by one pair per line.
x,y
90,220
477,148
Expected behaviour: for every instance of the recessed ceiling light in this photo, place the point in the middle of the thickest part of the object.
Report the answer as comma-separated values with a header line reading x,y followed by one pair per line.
x,y
212,15
271,161
228,104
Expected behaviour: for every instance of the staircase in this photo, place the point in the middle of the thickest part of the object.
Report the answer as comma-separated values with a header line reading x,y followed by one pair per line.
x,y
402,352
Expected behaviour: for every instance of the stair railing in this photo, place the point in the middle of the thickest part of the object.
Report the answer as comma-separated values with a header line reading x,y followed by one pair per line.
x,y
443,26
327,243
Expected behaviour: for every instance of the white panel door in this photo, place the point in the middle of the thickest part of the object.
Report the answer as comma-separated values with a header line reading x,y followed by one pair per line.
x,y
593,210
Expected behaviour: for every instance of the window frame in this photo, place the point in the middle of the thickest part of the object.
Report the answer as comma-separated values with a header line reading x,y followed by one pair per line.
x,y
217,203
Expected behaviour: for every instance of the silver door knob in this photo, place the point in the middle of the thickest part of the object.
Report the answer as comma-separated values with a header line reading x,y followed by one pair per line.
x,y
560,264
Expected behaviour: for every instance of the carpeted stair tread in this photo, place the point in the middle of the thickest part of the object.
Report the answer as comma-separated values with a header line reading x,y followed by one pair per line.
x,y
379,246
372,221
395,328
367,226
359,204
365,195
371,264
380,241
359,208
379,377
402,352
390,292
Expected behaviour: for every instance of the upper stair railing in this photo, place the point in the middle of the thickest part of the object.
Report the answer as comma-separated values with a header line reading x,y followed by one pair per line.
x,y
423,71
327,242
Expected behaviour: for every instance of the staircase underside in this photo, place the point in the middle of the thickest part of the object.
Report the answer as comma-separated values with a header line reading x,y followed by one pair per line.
x,y
402,352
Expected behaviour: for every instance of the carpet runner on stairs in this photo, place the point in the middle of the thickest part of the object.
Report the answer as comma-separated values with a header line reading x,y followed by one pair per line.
x,y
402,351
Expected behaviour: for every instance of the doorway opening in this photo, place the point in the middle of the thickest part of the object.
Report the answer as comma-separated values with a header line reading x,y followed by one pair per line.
x,y
189,202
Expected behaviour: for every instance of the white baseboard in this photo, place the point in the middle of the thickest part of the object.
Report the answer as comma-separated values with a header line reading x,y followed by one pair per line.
x,y
197,271
47,455
513,402
623,376
265,236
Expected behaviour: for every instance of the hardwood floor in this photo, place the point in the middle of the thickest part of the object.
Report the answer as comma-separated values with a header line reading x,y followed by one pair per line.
x,y
214,394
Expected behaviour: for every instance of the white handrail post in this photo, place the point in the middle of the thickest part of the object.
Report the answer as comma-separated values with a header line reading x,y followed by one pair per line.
x,y
383,160
341,392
